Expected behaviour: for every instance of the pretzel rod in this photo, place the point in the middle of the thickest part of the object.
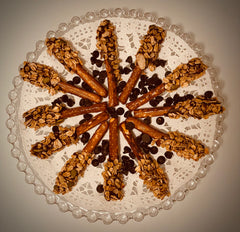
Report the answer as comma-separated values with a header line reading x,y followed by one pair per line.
x,y
146,55
141,126
70,60
64,136
113,139
152,112
146,97
180,77
131,141
97,136
91,123
112,86
45,77
199,107
130,84
68,88
75,167
84,110
149,170
183,145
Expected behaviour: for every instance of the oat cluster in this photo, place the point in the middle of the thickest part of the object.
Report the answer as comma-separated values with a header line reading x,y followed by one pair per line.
x,y
107,44
113,180
153,176
73,169
55,141
199,107
183,145
184,74
45,115
41,75
64,53
150,47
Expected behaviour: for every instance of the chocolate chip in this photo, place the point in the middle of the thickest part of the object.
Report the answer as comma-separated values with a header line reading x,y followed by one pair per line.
x,y
55,129
101,80
160,62
85,137
100,188
132,66
154,80
143,78
70,102
160,120
151,87
153,102
154,150
136,91
103,74
121,70
120,111
99,63
132,97
95,162
169,101
111,110
105,147
95,73
76,80
126,70
95,53
147,120
159,98
132,155
208,94
168,154
82,121
128,114
87,116
126,149
176,98
146,138
161,159
130,126
189,96
64,98
93,60
125,158
141,84
129,59
101,158
167,73
85,102
86,87
132,170
97,149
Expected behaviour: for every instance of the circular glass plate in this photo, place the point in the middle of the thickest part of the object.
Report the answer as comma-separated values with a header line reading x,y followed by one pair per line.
x,y
178,47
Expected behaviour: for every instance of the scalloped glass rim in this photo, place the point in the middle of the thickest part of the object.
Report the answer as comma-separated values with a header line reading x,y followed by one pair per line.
x,y
107,217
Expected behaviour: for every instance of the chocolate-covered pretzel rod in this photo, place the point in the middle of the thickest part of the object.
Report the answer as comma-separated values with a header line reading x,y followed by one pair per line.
x,y
69,58
107,44
64,136
45,77
182,76
146,55
49,115
148,168
75,167
198,107
183,145
112,174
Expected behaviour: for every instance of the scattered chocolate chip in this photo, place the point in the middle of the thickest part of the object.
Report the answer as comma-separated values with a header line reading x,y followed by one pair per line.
x,y
151,87
143,78
101,158
132,66
95,73
159,98
154,150
132,155
125,158
167,73
208,94
70,82
160,62
64,98
86,87
76,80
129,59
136,91
146,138
153,102
70,102
126,70
141,84
176,98
97,149
147,120
100,188
128,114
121,70
103,74
82,121
93,60
143,90
126,149
85,137
95,53
168,154
160,120
99,63
169,101
120,111
130,126
132,97
55,129
101,80
95,162
161,159
132,170
87,116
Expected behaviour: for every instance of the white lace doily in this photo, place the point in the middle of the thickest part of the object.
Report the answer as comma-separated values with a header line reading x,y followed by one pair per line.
x,y
84,200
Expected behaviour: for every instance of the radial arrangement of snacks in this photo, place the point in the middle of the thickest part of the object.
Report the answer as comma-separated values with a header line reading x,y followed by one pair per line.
x,y
138,156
